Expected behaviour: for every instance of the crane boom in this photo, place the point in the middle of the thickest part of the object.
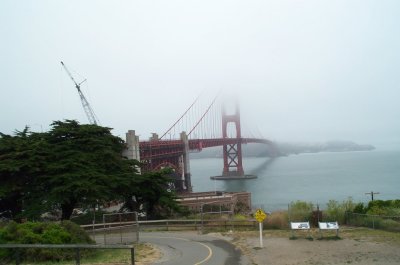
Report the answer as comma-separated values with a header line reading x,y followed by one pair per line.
x,y
85,104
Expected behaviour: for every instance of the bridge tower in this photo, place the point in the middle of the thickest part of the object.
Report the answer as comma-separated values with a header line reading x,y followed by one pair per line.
x,y
232,152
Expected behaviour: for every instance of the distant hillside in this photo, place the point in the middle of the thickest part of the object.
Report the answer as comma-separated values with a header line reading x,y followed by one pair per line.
x,y
331,146
260,150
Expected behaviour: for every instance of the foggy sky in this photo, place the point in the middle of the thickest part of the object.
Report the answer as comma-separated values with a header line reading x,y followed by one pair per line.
x,y
303,70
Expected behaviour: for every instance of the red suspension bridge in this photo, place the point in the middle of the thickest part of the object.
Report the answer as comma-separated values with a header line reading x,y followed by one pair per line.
x,y
207,128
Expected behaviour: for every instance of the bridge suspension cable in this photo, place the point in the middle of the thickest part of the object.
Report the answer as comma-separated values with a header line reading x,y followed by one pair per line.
x,y
201,119
204,114
181,117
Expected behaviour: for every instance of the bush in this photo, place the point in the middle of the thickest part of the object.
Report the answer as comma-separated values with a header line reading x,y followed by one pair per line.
x,y
390,225
336,211
300,211
42,233
276,220
379,207
360,208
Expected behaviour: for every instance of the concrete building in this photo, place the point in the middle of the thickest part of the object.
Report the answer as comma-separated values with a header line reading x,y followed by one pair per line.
x,y
229,200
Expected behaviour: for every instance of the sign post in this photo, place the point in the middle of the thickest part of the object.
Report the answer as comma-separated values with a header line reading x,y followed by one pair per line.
x,y
260,216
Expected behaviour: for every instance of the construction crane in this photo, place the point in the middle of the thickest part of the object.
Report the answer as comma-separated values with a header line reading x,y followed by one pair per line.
x,y
86,106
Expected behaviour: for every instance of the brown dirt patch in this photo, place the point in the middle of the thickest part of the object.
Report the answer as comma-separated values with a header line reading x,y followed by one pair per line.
x,y
355,246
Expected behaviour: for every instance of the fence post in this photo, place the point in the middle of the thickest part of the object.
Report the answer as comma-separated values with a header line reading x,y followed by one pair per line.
x,y
132,256
17,257
120,226
78,256
104,229
167,226
137,226
373,222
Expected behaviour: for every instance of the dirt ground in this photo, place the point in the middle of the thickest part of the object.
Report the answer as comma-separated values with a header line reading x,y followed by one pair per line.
x,y
147,254
354,246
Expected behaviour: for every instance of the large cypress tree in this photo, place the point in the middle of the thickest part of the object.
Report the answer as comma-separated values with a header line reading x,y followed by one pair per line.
x,y
75,165
69,166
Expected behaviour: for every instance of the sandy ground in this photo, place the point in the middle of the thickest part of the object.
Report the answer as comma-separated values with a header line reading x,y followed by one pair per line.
x,y
354,246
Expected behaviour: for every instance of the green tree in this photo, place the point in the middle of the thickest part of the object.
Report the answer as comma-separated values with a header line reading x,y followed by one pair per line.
x,y
150,194
84,166
75,165
20,163
70,165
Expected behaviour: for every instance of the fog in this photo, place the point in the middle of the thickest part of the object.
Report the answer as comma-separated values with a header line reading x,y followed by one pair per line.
x,y
302,70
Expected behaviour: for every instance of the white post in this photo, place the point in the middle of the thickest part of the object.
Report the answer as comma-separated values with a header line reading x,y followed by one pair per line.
x,y
261,239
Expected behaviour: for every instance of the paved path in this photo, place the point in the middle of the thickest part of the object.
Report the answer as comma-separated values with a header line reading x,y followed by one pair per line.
x,y
190,248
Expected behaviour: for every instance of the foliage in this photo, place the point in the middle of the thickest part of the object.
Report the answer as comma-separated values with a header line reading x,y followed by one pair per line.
x,y
276,220
42,233
21,161
241,208
149,193
300,211
336,211
377,214
72,166
380,207
360,208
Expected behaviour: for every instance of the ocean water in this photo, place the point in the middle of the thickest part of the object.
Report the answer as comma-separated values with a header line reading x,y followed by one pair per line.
x,y
316,177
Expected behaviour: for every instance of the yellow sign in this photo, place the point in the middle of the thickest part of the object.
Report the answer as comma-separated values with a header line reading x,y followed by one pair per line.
x,y
260,215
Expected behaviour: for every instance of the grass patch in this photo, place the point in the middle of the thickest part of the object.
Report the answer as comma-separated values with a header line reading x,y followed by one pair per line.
x,y
109,257
327,238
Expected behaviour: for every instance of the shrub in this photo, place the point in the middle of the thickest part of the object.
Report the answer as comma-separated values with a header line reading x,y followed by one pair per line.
x,y
390,225
276,220
360,208
300,211
336,211
42,233
379,207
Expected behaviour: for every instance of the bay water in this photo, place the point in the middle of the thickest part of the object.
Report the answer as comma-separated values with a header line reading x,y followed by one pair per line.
x,y
312,177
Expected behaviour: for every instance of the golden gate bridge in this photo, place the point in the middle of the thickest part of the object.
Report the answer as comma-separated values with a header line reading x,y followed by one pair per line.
x,y
199,127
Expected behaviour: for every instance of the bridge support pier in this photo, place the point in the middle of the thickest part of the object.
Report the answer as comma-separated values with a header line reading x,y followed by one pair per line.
x,y
132,146
232,152
186,163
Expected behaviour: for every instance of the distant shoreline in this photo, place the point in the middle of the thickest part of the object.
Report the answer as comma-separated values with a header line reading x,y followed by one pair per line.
x,y
286,149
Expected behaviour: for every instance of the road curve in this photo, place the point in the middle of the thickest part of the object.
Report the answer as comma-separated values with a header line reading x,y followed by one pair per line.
x,y
189,248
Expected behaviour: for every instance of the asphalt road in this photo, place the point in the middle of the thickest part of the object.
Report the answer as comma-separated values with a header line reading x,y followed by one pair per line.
x,y
190,248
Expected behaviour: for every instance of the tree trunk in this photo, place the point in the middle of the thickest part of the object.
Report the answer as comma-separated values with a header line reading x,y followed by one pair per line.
x,y
66,210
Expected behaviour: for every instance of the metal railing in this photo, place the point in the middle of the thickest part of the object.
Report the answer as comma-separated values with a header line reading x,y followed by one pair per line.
x,y
77,248
171,225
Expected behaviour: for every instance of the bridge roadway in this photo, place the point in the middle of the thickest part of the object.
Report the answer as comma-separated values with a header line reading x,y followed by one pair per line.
x,y
185,247
193,249
168,148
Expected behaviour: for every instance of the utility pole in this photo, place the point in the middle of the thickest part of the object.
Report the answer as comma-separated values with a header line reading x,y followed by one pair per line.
x,y
372,194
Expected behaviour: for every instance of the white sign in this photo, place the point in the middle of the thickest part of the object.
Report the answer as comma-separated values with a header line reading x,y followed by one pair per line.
x,y
328,225
300,225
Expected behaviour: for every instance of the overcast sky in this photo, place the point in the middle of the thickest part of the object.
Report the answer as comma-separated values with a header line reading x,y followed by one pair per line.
x,y
303,70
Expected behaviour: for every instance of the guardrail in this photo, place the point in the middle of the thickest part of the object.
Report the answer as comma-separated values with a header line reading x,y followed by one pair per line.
x,y
77,248
168,224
